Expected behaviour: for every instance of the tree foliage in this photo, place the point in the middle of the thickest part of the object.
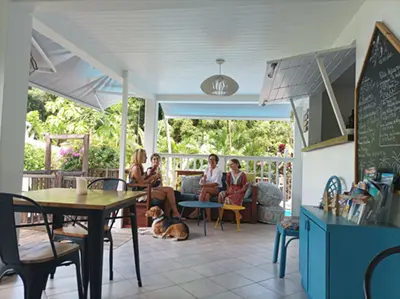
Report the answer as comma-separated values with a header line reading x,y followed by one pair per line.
x,y
55,115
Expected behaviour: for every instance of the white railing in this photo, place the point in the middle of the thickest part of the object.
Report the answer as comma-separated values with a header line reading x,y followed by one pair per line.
x,y
276,170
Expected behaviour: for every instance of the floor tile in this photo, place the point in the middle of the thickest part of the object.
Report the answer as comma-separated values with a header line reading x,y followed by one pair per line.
x,y
203,288
231,280
299,295
233,264
255,274
256,291
15,293
174,292
155,282
210,269
226,295
183,275
120,289
282,286
223,265
61,285
10,282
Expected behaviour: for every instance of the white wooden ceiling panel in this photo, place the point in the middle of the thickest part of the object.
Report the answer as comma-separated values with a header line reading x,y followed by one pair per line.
x,y
172,45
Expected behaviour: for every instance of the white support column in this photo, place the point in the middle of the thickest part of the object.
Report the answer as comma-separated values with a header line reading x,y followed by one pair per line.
x,y
331,94
15,46
150,126
124,123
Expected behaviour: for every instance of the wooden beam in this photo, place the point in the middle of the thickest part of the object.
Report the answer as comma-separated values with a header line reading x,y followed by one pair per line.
x,y
47,161
85,162
69,136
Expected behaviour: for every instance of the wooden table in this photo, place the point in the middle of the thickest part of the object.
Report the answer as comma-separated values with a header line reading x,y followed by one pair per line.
x,y
96,205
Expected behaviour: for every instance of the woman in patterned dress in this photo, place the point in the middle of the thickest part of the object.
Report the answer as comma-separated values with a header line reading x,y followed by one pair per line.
x,y
236,185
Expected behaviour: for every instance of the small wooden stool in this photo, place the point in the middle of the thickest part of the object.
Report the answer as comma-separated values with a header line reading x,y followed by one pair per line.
x,y
235,209
286,228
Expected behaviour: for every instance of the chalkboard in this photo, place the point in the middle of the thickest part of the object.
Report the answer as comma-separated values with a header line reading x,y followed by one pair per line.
x,y
377,105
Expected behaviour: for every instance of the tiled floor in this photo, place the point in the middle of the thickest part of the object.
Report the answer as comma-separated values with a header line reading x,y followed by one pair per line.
x,y
223,265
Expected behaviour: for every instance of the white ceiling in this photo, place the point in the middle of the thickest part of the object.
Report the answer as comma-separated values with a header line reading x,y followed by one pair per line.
x,y
170,46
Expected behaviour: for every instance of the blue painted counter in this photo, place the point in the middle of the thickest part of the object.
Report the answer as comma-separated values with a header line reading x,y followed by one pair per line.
x,y
334,254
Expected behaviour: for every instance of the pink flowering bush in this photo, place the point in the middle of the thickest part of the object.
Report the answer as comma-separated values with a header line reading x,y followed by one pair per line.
x,y
70,160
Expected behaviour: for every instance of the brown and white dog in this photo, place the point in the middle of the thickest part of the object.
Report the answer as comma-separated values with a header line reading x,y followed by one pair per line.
x,y
164,227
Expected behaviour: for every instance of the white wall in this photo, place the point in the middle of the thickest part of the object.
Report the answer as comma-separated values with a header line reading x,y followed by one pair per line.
x,y
320,165
361,26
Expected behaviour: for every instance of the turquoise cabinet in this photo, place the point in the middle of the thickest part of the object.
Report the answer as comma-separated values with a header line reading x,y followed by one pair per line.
x,y
334,254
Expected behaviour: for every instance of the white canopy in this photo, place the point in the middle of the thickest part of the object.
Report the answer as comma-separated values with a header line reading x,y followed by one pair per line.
x,y
65,74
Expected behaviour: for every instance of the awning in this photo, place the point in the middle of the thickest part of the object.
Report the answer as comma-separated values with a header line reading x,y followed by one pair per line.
x,y
62,73
250,111
299,76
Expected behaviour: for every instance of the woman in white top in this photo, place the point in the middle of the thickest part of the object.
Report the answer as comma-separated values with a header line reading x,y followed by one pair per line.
x,y
211,184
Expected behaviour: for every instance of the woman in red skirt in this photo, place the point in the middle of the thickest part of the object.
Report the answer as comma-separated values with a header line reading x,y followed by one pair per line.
x,y
236,185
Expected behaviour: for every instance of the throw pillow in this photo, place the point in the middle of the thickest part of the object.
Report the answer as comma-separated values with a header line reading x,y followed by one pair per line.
x,y
250,179
191,184
268,194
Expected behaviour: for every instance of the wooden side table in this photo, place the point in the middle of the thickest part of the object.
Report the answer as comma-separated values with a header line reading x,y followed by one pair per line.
x,y
235,209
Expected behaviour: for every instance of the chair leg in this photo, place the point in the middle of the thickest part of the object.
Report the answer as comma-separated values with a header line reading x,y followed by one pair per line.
x,y
53,273
276,245
77,262
85,267
111,256
237,215
35,282
282,265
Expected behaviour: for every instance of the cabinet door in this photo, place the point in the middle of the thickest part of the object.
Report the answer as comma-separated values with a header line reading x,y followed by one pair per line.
x,y
303,250
317,253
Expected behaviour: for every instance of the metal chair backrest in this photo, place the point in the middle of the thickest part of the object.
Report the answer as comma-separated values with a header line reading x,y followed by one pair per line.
x,y
333,185
372,265
108,184
9,252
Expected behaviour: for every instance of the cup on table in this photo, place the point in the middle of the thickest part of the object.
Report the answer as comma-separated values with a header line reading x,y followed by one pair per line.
x,y
81,186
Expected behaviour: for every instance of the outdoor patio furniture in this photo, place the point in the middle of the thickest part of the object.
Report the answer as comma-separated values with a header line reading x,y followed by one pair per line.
x,y
96,205
33,262
250,202
286,228
235,209
202,206
371,267
78,232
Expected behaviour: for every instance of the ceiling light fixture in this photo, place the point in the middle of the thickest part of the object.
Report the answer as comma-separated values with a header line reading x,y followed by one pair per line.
x,y
219,85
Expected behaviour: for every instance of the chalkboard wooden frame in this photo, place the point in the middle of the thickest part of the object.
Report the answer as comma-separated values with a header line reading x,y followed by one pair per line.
x,y
395,42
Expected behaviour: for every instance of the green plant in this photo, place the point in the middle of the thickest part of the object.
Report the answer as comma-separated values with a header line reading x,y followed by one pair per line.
x,y
33,158
103,157
70,159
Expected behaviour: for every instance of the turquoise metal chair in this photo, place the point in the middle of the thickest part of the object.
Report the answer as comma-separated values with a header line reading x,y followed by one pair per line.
x,y
283,232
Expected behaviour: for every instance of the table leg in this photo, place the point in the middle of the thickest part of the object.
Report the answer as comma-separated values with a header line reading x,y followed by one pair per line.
x,y
182,212
198,216
205,221
221,217
135,240
96,245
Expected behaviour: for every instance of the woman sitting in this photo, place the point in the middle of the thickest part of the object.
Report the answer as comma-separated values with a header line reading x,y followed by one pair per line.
x,y
236,182
211,184
155,169
137,176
